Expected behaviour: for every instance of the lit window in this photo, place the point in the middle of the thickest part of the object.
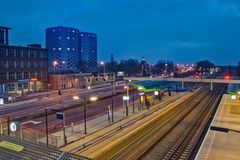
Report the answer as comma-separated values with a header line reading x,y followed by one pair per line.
x,y
73,31
68,37
82,35
93,35
54,30
73,38
59,49
68,49
54,49
73,49
59,37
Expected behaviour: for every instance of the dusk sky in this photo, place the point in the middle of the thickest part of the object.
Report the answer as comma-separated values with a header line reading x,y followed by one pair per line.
x,y
184,31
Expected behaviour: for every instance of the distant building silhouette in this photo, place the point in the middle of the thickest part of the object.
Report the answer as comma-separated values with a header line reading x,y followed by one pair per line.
x,y
144,68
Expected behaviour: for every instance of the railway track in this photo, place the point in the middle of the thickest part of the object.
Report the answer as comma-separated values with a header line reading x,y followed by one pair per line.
x,y
183,148
137,142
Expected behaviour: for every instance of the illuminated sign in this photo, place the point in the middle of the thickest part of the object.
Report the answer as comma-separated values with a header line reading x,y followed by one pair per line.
x,y
60,115
156,93
23,81
33,79
14,126
233,97
1,101
126,98
141,94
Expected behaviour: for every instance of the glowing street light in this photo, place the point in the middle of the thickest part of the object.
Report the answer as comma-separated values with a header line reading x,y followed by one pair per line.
x,y
76,97
55,63
93,99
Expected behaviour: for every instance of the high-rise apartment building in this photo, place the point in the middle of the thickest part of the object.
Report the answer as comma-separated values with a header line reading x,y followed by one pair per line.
x,y
88,52
63,48
71,51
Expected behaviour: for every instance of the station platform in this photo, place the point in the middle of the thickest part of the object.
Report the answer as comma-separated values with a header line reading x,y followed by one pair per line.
x,y
223,145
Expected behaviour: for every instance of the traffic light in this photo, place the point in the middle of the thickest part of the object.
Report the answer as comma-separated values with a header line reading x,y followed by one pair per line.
x,y
196,75
227,76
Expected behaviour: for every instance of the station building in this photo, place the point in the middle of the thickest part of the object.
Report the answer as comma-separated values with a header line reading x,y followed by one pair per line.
x,y
22,69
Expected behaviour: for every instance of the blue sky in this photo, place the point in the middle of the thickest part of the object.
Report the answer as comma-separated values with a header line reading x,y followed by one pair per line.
x,y
184,31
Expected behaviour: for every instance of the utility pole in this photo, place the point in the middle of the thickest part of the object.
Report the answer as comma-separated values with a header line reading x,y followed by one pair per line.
x,y
112,102
133,103
46,123
8,125
85,116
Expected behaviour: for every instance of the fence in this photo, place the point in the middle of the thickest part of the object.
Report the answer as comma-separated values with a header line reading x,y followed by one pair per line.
x,y
27,133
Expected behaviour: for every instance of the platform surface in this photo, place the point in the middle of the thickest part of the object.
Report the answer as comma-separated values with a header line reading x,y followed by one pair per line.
x,y
219,145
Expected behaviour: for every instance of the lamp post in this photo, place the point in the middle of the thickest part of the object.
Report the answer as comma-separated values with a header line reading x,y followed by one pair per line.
x,y
133,104
55,63
46,123
156,93
141,96
85,116
112,99
91,99
103,64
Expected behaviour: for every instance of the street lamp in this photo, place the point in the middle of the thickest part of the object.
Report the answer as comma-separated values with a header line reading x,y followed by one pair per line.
x,y
141,96
103,64
46,123
91,99
89,89
55,63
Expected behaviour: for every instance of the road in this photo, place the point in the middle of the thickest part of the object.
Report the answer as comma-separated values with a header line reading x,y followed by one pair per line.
x,y
76,115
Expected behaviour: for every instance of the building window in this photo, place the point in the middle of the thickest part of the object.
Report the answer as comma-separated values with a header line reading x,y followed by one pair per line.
x,y
19,64
25,75
54,49
11,64
38,54
19,53
12,76
68,49
3,76
19,75
11,53
32,64
3,64
32,54
3,52
25,54
59,49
